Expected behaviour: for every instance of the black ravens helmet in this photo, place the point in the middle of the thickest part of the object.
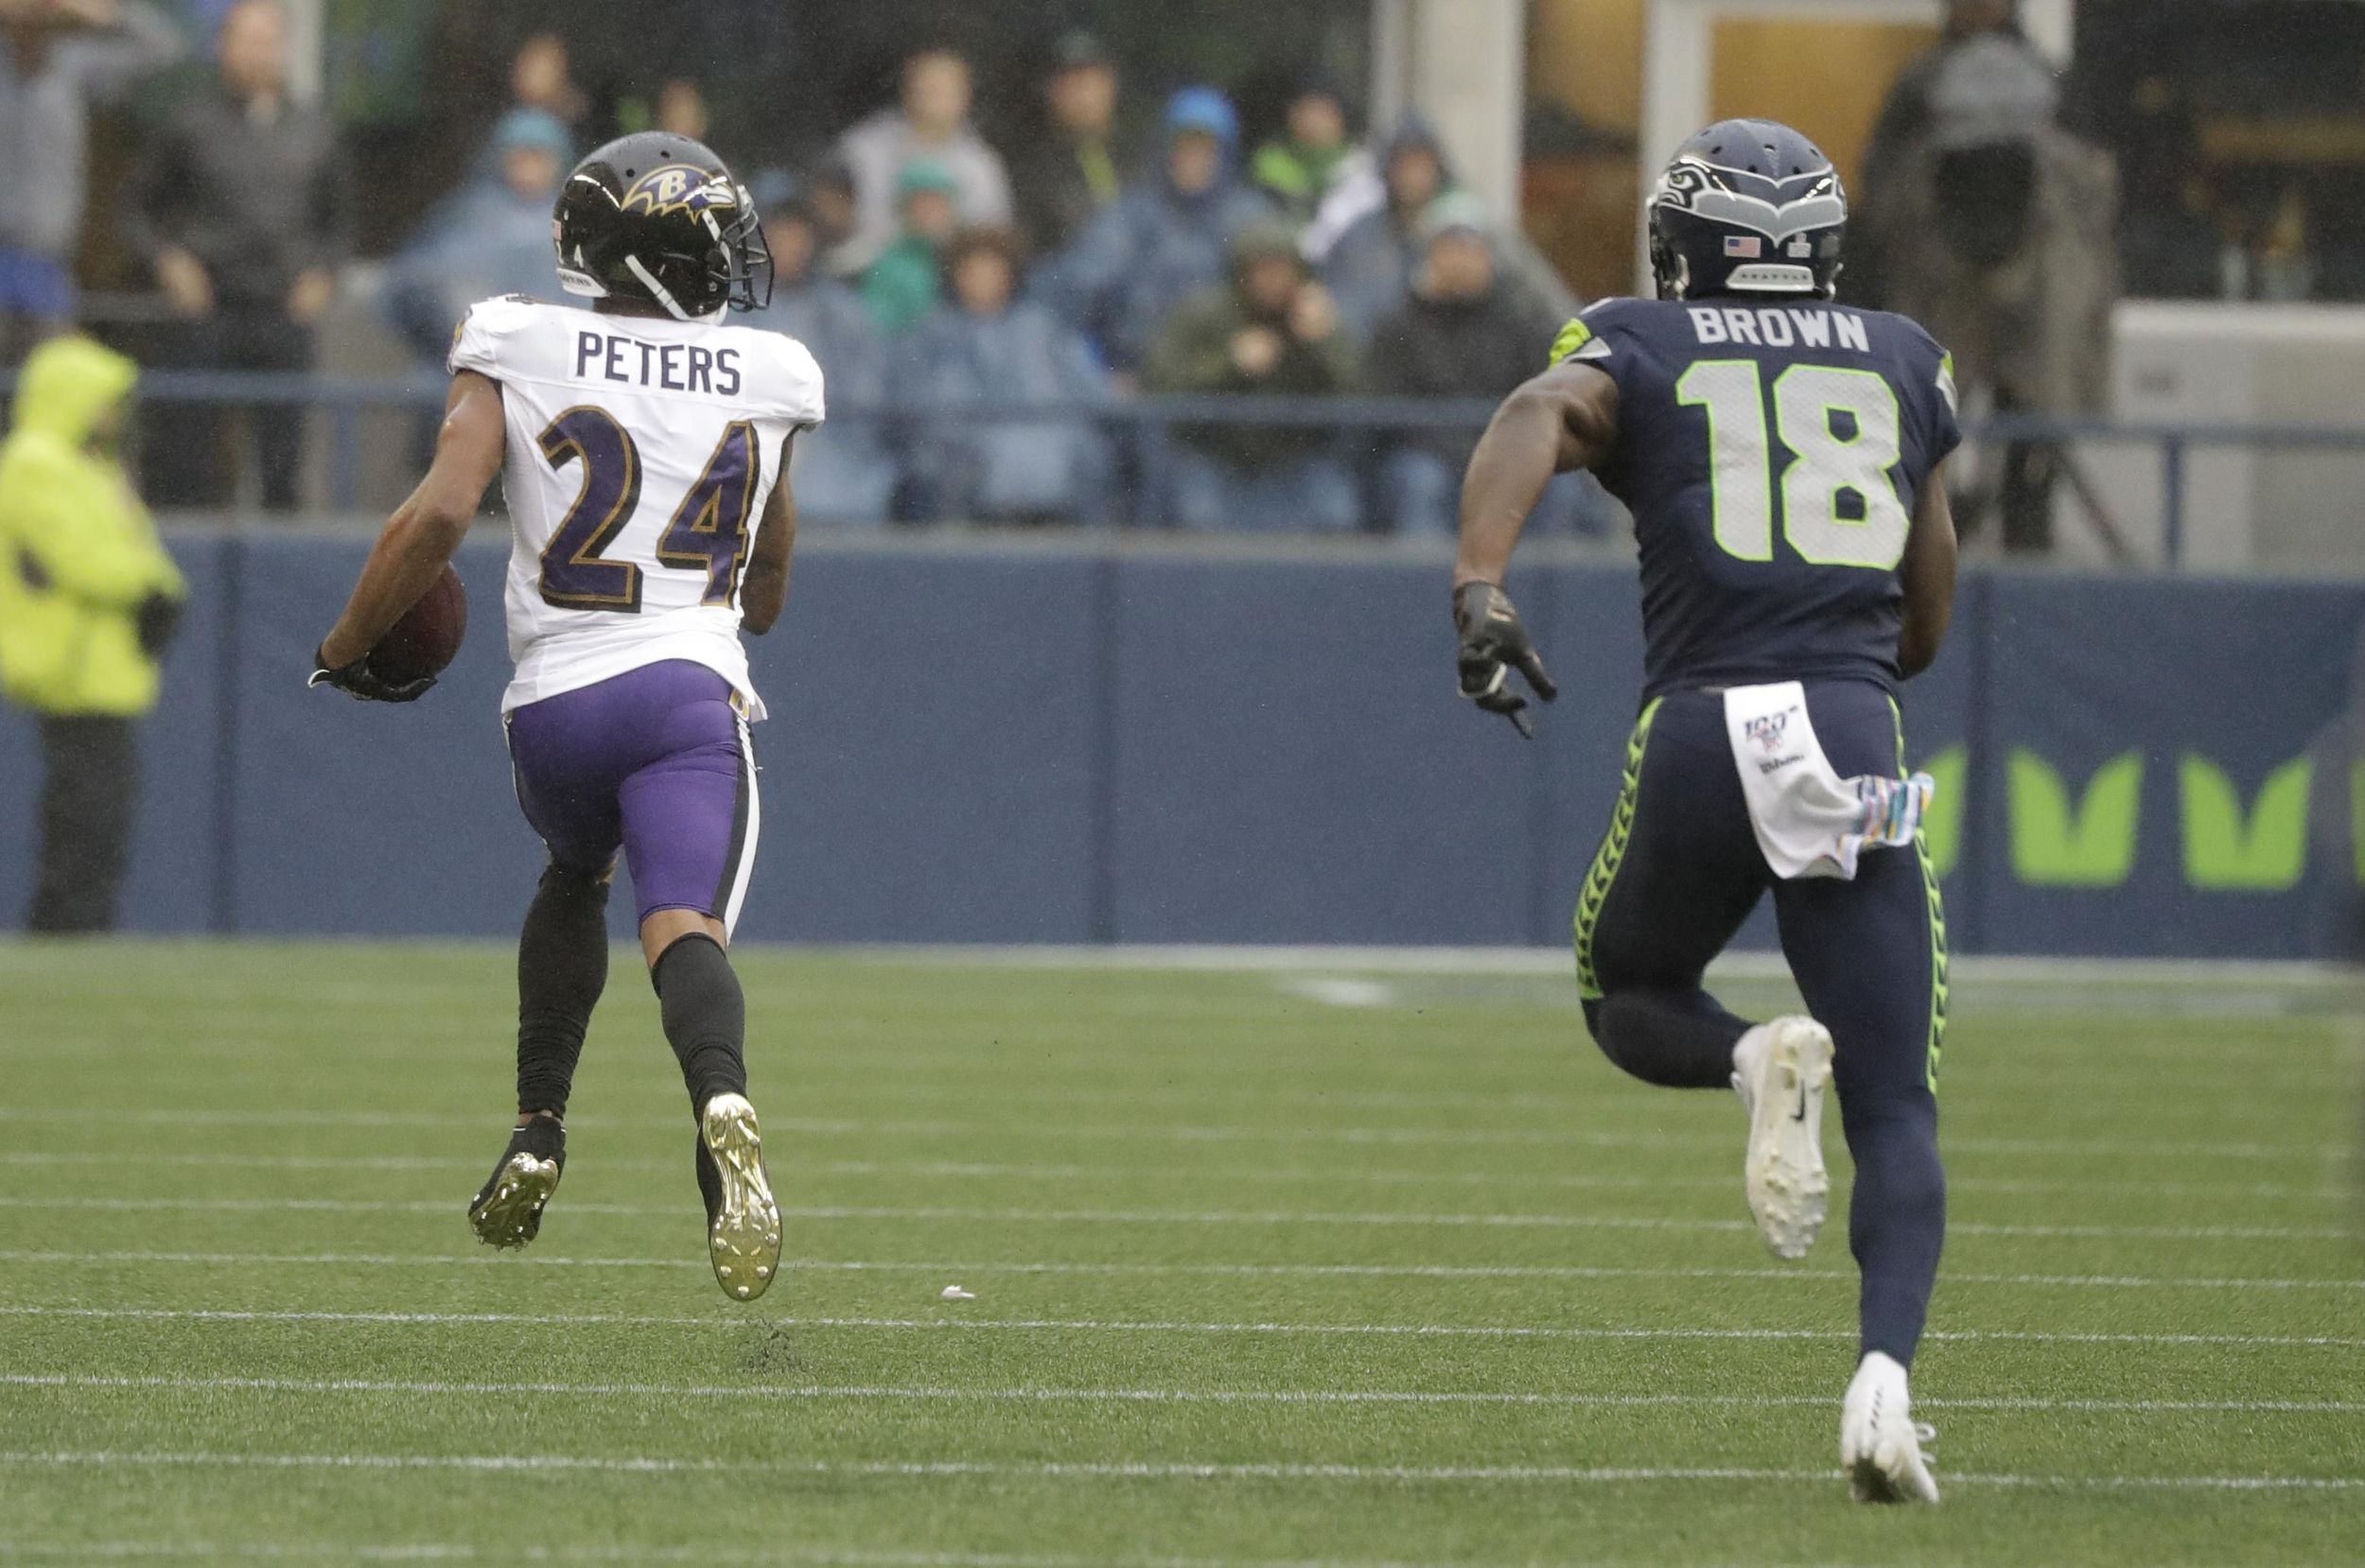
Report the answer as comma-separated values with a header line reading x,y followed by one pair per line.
x,y
1747,206
657,218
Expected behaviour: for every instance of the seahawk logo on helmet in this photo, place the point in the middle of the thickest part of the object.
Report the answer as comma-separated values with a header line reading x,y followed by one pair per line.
x,y
658,218
1747,206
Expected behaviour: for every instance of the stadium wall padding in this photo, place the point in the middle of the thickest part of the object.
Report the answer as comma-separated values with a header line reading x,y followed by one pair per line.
x,y
998,742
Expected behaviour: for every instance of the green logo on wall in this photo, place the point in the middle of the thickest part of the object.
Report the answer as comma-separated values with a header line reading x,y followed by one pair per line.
x,y
2066,835
2057,843
2223,852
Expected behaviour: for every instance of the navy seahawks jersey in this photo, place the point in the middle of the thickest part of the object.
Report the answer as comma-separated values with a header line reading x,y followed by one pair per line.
x,y
1770,455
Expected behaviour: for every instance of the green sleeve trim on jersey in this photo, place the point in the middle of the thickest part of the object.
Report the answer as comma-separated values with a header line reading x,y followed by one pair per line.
x,y
1613,852
1946,382
1572,338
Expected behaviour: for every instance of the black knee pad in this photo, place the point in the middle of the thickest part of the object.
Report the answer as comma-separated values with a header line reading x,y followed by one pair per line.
x,y
561,883
694,955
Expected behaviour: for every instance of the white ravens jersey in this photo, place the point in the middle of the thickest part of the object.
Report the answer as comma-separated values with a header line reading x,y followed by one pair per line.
x,y
642,451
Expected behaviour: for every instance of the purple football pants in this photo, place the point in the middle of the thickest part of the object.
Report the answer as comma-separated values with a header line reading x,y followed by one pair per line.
x,y
655,762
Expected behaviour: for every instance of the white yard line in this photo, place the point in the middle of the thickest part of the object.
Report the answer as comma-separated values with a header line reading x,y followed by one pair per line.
x,y
1158,1131
1416,1331
762,1392
952,1270
507,1552
2178,975
791,1160
1175,1216
1143,1470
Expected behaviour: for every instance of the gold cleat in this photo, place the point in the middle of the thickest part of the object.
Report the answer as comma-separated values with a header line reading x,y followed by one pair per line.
x,y
508,1212
744,1222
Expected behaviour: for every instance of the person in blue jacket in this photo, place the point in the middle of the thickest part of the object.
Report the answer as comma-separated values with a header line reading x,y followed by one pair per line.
x,y
1167,237
983,345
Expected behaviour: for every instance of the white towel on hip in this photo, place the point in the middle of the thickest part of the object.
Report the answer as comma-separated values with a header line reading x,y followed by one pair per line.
x,y
1810,822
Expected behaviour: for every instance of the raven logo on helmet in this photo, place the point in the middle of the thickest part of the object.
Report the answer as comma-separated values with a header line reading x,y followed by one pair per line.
x,y
659,218
1737,193
675,188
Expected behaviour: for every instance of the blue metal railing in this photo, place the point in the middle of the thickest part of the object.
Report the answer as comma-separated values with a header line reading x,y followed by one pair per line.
x,y
2175,442
1151,421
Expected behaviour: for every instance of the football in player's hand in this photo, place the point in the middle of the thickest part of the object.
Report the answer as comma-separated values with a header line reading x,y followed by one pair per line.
x,y
427,637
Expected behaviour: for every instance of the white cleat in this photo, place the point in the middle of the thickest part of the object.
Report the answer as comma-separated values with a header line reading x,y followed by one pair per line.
x,y
1782,1070
1879,1446
743,1221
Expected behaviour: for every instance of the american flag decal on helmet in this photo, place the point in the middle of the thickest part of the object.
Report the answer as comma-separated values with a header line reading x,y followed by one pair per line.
x,y
1747,246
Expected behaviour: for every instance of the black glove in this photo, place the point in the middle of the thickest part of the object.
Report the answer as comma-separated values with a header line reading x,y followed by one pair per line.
x,y
1493,641
357,680
158,621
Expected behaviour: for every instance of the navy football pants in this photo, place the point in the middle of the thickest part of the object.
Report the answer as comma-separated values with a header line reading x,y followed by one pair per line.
x,y
1676,876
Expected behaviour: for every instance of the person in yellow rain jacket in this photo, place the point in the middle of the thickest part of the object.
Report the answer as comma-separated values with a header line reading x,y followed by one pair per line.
x,y
88,601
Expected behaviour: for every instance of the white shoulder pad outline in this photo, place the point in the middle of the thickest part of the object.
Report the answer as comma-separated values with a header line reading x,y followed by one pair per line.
x,y
477,337
800,385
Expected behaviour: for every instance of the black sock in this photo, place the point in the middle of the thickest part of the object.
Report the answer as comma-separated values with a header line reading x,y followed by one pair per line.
x,y
543,1137
1677,1040
562,968
706,1016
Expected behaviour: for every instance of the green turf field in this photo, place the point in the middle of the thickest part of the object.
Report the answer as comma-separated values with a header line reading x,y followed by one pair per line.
x,y
1389,1269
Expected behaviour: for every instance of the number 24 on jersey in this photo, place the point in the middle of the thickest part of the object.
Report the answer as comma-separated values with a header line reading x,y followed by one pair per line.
x,y
708,533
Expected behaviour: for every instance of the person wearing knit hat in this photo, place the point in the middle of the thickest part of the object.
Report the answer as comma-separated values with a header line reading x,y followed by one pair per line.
x,y
1272,332
1466,328
1166,237
1068,172
902,285
1313,156
490,237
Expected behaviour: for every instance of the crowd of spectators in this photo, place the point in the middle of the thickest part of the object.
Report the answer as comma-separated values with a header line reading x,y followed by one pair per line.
x,y
984,329
988,316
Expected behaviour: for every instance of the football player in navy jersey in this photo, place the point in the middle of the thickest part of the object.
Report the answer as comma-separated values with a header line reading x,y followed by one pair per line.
x,y
1781,455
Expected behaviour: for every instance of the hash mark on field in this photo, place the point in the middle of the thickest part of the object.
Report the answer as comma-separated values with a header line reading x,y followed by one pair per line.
x,y
1153,1131
1430,1331
1383,1271
1058,1470
1177,1216
1147,1396
1339,990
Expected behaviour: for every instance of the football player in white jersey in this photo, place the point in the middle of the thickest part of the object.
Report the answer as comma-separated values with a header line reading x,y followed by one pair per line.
x,y
643,447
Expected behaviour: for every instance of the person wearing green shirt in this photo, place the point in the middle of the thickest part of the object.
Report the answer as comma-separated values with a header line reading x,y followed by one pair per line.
x,y
1313,156
903,283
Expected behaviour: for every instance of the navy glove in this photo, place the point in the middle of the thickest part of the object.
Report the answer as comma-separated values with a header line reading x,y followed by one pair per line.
x,y
358,681
1494,642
